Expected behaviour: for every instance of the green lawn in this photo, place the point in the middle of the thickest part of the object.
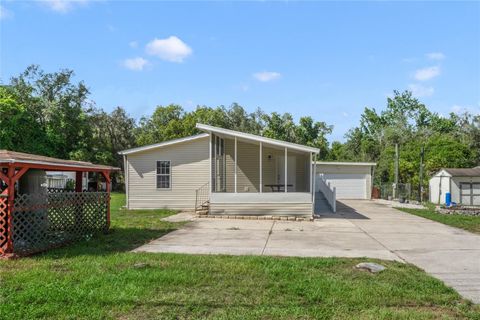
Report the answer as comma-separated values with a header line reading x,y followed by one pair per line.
x,y
98,279
469,223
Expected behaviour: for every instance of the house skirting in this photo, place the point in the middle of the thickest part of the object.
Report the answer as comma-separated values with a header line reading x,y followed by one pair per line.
x,y
293,204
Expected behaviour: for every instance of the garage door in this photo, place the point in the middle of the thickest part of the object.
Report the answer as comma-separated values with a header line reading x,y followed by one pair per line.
x,y
349,186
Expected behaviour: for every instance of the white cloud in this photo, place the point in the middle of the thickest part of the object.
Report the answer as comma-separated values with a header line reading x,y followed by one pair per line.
x,y
266,76
135,64
435,56
133,44
427,73
345,114
5,13
170,49
62,6
462,109
421,91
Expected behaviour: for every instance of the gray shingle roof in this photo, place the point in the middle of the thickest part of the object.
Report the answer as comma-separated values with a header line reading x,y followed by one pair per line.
x,y
464,172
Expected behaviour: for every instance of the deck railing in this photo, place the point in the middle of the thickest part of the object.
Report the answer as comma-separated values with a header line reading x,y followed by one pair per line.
x,y
328,191
202,197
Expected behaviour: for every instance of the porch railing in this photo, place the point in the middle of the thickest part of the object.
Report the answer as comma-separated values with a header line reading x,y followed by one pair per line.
x,y
328,191
202,198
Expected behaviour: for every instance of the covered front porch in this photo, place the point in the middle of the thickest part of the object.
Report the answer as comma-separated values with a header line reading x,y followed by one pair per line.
x,y
253,175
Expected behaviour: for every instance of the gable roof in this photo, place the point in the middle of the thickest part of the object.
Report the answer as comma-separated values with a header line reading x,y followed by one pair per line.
x,y
163,144
252,137
463,172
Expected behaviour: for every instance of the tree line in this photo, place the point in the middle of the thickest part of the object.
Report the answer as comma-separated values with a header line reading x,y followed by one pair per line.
x,y
50,114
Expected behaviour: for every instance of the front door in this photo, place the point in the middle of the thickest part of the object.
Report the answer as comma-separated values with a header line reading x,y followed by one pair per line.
x,y
470,194
291,172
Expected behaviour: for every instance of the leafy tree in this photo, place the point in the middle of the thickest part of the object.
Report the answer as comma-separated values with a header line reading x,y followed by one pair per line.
x,y
18,129
58,106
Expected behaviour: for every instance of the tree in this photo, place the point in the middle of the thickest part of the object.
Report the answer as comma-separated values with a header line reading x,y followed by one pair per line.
x,y
58,106
18,129
112,133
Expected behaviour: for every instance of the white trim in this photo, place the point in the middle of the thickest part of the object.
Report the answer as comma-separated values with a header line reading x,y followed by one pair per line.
x,y
210,164
248,136
125,176
310,171
314,185
235,164
163,144
367,164
261,168
163,174
286,171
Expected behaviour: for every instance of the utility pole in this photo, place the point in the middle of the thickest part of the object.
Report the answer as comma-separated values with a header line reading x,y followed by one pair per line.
x,y
395,187
420,187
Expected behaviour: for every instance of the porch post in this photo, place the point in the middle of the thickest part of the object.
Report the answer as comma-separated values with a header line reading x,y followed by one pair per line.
x,y
78,181
10,205
310,170
106,175
261,164
286,170
314,179
211,163
235,164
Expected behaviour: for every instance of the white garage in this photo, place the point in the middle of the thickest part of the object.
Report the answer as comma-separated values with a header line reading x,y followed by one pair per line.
x,y
352,180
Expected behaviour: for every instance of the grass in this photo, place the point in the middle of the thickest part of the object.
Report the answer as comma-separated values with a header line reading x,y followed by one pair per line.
x,y
469,223
101,279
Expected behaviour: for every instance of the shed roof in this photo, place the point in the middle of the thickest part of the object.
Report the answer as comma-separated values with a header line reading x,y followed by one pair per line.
x,y
41,162
463,172
252,137
163,144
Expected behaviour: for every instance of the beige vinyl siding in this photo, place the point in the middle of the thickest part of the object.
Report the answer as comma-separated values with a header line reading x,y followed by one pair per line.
x,y
455,186
248,170
248,166
189,171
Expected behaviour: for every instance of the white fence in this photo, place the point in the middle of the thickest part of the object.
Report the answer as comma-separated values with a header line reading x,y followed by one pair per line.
x,y
328,191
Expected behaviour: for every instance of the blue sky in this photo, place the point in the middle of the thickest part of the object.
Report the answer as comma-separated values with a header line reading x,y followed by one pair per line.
x,y
327,60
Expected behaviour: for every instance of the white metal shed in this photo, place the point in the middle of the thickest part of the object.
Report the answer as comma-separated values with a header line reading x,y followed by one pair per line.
x,y
462,184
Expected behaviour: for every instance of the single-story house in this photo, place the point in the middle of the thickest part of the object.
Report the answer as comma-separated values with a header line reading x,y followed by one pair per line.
x,y
462,184
231,172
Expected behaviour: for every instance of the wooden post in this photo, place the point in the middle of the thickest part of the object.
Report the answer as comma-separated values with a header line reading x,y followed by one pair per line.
x,y
78,181
10,204
106,175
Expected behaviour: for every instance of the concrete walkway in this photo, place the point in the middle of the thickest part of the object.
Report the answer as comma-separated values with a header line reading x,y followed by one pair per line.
x,y
358,229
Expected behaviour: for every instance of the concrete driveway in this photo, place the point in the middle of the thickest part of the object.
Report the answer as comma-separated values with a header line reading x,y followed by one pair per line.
x,y
358,229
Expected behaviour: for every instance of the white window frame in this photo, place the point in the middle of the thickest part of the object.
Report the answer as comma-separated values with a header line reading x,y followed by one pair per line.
x,y
163,174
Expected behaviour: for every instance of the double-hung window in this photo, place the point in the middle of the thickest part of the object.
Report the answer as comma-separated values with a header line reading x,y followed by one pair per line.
x,y
164,174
